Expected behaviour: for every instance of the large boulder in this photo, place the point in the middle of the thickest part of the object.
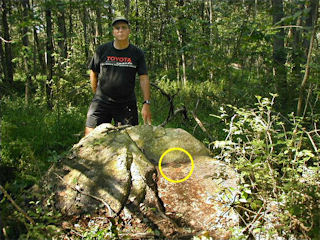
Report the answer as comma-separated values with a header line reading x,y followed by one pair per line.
x,y
117,169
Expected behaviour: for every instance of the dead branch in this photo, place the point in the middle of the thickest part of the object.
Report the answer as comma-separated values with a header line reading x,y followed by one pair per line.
x,y
5,234
182,110
295,222
288,26
6,41
256,218
245,209
307,100
171,112
308,133
76,233
316,130
312,142
137,235
16,205
77,189
201,125
199,122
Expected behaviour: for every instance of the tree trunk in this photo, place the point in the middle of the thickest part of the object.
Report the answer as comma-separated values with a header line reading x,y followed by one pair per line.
x,y
301,42
181,36
39,51
49,57
99,22
110,15
312,5
110,10
62,37
2,56
210,22
7,64
183,59
2,60
25,42
298,55
211,34
70,30
137,22
127,7
279,55
307,69
170,62
85,30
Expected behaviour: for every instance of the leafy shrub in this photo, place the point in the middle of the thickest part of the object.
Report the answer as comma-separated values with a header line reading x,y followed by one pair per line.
x,y
278,162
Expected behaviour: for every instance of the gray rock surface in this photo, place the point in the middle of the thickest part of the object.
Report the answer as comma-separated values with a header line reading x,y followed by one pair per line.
x,y
117,169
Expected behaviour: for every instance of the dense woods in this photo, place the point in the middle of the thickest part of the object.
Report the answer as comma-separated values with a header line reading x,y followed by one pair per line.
x,y
244,73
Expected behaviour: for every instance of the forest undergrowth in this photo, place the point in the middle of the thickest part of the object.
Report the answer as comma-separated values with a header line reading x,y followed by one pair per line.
x,y
275,155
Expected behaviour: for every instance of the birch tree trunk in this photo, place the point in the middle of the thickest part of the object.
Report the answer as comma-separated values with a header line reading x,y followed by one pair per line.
x,y
7,64
49,57
279,54
25,41
181,34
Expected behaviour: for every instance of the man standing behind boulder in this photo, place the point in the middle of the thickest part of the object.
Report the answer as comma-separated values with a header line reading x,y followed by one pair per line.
x,y
113,71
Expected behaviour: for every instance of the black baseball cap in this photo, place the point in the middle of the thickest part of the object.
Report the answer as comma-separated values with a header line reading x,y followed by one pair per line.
x,y
119,19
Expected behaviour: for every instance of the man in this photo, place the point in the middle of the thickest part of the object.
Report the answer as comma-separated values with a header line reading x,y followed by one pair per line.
x,y
113,71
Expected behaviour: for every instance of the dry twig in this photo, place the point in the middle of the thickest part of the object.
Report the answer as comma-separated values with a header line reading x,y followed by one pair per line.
x,y
16,205
137,235
171,112
6,41
111,212
256,218
200,123
312,142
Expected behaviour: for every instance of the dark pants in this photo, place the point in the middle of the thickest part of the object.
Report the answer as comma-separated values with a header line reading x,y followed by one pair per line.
x,y
122,113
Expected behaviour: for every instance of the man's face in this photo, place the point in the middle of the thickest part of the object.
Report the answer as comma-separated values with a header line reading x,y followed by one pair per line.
x,y
121,31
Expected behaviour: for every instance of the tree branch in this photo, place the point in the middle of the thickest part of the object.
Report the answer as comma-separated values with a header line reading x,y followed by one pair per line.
x,y
16,205
170,98
6,41
256,218
77,189
201,125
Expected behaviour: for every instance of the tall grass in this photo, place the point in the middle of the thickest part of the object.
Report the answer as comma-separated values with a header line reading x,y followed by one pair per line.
x,y
32,135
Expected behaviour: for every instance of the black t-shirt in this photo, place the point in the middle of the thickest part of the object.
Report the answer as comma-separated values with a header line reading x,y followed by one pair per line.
x,y
117,71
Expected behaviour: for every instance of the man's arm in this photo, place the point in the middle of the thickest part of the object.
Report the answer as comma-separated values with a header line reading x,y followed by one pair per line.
x,y
145,87
94,80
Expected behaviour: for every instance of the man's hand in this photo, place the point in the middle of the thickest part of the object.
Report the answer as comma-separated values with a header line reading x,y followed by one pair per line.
x,y
146,114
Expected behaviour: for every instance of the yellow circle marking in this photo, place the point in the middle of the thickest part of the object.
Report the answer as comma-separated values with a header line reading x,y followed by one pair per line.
x,y
176,149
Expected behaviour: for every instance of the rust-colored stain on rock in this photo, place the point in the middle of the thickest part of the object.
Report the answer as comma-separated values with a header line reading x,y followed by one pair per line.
x,y
194,200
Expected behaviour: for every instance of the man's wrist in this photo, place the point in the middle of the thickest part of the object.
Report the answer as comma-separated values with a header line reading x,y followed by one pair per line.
x,y
146,102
